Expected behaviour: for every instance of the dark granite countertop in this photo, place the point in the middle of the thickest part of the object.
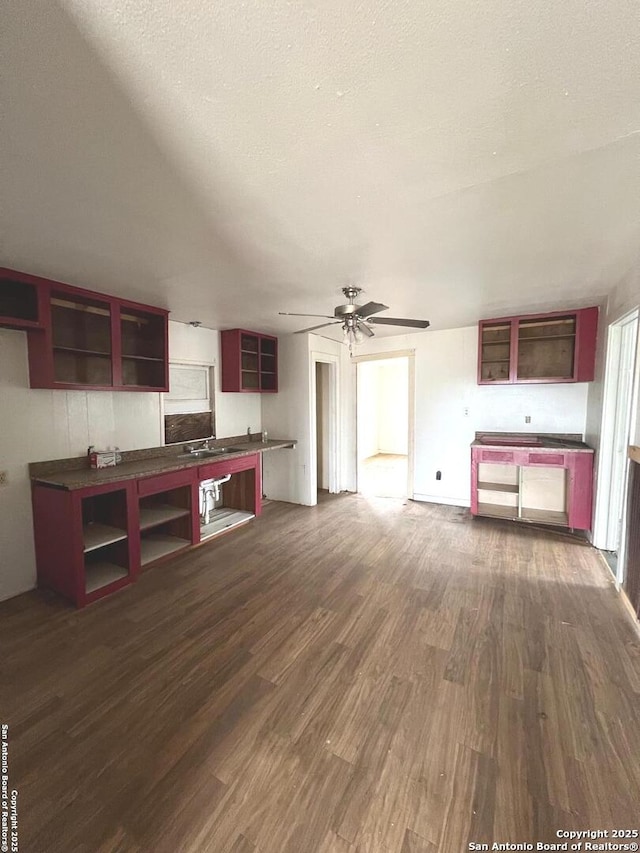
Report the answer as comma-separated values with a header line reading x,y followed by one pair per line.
x,y
539,441
84,477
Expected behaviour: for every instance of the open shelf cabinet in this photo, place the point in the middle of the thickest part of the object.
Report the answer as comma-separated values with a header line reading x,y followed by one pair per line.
x,y
545,486
81,335
238,500
556,347
95,540
523,493
165,512
143,346
79,339
20,301
105,539
249,362
86,546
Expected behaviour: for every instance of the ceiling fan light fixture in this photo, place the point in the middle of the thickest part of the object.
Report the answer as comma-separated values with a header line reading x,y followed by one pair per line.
x,y
356,321
349,334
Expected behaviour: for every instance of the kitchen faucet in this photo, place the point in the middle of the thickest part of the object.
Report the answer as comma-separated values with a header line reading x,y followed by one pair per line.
x,y
193,448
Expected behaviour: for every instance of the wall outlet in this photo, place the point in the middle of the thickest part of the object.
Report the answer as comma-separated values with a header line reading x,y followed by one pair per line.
x,y
438,475
4,478
466,410
527,419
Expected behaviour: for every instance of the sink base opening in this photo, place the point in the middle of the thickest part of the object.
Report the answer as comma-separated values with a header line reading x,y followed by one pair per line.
x,y
223,519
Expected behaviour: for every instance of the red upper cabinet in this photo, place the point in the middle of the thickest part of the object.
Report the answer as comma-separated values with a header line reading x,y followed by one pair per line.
x,y
21,301
249,362
538,348
143,342
83,340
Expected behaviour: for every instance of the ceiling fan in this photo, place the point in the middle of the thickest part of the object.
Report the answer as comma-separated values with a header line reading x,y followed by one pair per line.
x,y
356,320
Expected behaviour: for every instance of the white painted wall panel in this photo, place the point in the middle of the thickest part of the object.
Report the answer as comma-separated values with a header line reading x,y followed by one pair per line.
x,y
446,386
234,412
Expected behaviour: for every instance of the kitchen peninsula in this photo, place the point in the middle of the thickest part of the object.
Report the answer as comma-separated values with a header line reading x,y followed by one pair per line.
x,y
96,529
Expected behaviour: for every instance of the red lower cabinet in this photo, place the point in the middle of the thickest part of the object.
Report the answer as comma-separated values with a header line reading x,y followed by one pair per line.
x,y
86,540
544,486
93,541
168,513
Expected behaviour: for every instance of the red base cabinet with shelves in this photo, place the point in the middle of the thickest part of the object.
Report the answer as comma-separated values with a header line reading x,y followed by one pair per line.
x,y
96,540
86,542
249,362
538,348
541,485
167,514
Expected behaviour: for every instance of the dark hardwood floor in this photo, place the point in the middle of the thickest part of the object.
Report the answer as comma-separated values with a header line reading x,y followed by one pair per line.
x,y
360,676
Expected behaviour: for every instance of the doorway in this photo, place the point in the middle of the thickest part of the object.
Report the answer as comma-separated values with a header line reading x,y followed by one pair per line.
x,y
324,461
384,440
323,455
619,405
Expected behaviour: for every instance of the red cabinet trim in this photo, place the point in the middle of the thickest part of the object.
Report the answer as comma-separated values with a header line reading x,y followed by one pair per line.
x,y
12,322
163,482
584,347
579,465
58,517
231,357
40,337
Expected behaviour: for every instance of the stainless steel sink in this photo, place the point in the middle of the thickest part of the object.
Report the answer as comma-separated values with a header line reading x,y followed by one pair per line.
x,y
203,454
214,451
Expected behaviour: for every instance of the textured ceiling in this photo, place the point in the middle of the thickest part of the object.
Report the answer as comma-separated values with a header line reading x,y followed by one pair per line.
x,y
233,159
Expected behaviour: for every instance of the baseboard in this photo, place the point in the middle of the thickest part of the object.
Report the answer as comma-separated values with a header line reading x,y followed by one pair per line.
x,y
4,596
621,592
440,499
629,606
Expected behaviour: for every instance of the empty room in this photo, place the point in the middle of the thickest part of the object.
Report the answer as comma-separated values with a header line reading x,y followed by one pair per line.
x,y
319,426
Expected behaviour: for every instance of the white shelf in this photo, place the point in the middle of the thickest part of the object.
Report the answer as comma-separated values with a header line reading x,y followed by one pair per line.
x,y
152,516
97,535
101,573
157,545
223,519
499,487
545,516
497,510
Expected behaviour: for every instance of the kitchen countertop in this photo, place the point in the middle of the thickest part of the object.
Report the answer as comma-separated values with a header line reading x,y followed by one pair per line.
x,y
82,478
517,441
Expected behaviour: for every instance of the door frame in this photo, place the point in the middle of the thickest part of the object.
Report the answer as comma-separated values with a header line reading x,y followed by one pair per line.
x,y
333,415
612,481
410,355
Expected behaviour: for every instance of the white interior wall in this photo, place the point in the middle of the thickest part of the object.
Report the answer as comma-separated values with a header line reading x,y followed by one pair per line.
x,y
234,412
286,475
382,413
446,389
624,297
291,475
368,390
393,408
37,425
323,379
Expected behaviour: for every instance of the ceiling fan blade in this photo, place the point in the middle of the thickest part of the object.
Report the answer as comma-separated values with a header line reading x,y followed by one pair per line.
x,y
321,326
289,314
370,308
367,331
400,321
